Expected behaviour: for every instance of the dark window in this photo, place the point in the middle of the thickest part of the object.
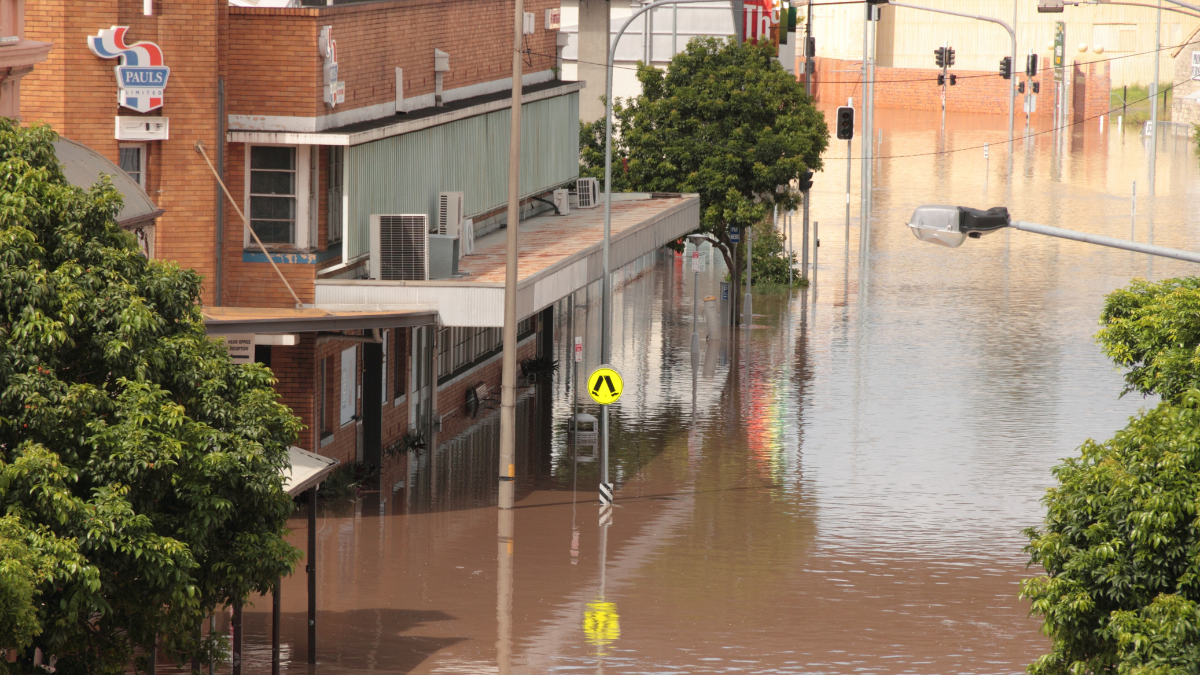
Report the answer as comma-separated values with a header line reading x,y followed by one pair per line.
x,y
132,161
273,193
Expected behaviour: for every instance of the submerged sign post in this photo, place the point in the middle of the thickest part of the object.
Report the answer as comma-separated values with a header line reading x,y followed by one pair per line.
x,y
605,386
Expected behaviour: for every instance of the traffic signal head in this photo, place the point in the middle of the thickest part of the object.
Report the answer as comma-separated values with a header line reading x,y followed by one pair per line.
x,y
806,181
941,80
1036,87
1006,67
1020,87
939,56
950,57
1031,64
953,80
845,123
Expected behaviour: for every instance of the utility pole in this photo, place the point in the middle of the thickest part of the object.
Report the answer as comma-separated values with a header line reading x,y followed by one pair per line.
x,y
810,44
1154,95
508,375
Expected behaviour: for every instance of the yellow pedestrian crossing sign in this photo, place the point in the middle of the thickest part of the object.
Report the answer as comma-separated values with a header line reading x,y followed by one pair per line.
x,y
605,385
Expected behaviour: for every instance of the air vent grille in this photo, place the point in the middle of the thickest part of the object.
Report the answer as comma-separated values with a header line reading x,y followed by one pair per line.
x,y
403,247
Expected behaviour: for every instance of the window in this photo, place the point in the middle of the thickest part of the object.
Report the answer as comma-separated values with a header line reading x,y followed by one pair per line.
x,y
133,161
400,357
334,194
1196,65
384,348
273,193
349,392
323,397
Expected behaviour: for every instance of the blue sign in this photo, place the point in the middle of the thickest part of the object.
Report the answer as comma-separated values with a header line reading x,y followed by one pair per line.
x,y
132,77
735,234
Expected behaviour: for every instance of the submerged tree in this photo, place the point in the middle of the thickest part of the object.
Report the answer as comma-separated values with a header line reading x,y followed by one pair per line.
x,y
139,466
724,120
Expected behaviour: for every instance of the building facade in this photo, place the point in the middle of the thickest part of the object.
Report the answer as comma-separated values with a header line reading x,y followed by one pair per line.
x,y
326,169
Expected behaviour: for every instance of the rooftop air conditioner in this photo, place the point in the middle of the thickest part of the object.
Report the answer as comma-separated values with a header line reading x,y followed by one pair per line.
x,y
450,213
400,247
588,192
562,202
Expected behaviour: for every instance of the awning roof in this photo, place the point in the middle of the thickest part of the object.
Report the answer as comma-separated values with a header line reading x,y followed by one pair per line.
x,y
230,320
83,166
306,470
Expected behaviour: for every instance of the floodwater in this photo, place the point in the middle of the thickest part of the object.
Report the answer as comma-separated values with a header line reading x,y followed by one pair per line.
x,y
840,489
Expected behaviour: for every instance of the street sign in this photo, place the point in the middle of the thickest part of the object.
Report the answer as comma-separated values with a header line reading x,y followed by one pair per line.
x,y
985,150
1030,104
578,349
697,262
735,234
605,385
241,347
1060,48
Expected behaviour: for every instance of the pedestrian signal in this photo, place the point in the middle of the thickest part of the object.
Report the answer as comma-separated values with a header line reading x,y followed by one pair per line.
x,y
605,385
845,123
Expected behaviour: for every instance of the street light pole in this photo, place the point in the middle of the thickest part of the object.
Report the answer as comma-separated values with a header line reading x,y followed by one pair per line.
x,y
1154,95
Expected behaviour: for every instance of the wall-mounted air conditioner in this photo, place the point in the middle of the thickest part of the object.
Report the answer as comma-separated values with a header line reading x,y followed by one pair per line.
x,y
588,192
450,213
400,247
562,201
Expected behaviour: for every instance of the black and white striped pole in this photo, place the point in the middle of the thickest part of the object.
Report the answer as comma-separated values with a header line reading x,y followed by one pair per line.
x,y
605,386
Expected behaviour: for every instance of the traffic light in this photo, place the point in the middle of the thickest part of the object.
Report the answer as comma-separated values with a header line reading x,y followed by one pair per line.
x,y
1037,87
1020,87
941,80
1006,67
953,80
1031,65
950,57
806,181
939,55
845,123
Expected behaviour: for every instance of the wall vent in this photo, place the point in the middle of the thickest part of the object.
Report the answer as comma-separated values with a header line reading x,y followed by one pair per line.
x,y
450,213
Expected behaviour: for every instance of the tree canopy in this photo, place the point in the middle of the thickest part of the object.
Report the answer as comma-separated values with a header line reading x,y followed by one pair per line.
x,y
139,466
1121,540
724,120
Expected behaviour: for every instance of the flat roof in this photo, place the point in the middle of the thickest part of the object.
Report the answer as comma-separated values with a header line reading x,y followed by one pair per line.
x,y
557,255
232,320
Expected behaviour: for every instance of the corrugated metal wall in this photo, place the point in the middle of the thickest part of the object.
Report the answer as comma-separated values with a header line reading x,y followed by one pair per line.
x,y
405,173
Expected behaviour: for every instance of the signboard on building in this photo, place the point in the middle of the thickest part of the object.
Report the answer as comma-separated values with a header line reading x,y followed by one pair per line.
x,y
241,347
334,89
141,73
760,21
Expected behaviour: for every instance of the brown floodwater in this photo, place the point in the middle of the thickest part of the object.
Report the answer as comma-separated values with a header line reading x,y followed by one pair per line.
x,y
841,489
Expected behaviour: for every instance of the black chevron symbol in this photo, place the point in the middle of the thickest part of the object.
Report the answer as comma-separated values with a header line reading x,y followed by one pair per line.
x,y
605,380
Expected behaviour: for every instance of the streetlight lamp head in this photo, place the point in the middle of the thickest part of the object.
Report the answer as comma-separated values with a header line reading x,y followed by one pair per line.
x,y
697,239
951,225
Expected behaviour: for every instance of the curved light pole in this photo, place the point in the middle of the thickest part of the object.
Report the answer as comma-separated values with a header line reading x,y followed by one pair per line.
x,y
1012,81
606,298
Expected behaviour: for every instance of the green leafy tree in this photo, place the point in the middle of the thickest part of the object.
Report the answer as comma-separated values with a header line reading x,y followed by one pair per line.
x,y
1153,329
771,259
725,121
139,466
1121,541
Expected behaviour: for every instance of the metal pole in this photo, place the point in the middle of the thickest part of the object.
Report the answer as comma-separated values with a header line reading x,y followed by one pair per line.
x,y
945,83
695,306
236,666
807,57
1133,211
1154,95
311,568
508,376
674,30
504,587
275,627
791,250
749,299
1111,242
866,156
849,149
804,236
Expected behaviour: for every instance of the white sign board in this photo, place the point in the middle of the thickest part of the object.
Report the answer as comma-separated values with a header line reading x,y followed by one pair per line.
x,y
697,261
241,347
578,349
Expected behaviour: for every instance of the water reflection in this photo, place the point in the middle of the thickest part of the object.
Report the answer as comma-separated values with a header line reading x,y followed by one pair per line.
x,y
839,489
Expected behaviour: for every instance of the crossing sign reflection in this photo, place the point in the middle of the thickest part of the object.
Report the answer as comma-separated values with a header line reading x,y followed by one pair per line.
x,y
605,385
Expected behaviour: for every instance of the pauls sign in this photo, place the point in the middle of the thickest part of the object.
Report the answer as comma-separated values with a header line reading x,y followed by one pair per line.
x,y
141,75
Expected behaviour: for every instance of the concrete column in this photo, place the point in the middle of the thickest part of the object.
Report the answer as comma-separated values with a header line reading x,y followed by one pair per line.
x,y
372,408
594,28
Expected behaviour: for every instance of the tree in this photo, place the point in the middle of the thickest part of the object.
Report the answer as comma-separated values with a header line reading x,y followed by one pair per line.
x,y
725,121
139,466
1121,540
1153,329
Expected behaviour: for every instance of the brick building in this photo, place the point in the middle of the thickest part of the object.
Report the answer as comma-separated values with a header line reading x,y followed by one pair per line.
x,y
330,125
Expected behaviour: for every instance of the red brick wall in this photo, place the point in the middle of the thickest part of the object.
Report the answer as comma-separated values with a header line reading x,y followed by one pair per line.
x,y
76,93
1092,90
373,39
917,88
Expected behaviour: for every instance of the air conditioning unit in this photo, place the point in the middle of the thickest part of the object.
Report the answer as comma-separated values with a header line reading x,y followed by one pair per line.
x,y
450,213
562,201
587,191
400,247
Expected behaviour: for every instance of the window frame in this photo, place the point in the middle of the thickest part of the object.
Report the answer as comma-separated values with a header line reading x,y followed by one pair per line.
x,y
335,193
348,388
301,230
142,150
1195,65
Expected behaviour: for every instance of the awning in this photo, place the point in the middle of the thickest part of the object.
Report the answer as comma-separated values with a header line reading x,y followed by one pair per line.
x,y
231,320
306,470
83,166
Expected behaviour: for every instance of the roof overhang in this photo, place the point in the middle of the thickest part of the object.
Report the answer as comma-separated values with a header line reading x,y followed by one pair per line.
x,y
237,320
463,303
305,470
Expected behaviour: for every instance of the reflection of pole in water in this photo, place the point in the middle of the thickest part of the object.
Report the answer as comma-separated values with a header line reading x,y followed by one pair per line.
x,y
504,590
601,623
